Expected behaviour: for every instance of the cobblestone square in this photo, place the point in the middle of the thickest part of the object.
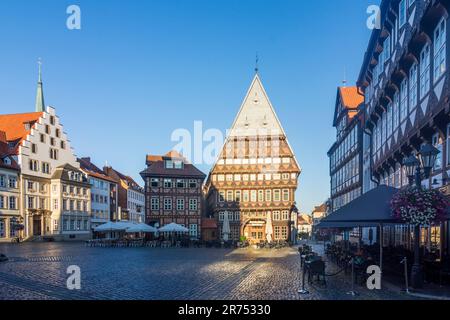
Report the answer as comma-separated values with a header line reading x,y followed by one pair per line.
x,y
38,271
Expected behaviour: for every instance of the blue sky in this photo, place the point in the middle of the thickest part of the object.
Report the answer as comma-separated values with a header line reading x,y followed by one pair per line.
x,y
137,70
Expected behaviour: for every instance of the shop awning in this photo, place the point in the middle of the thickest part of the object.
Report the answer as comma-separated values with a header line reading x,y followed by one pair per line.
x,y
370,209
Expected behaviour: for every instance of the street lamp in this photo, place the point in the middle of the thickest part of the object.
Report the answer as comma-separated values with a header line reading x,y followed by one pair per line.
x,y
418,169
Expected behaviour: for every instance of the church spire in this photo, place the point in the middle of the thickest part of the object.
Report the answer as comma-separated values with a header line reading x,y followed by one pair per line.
x,y
40,106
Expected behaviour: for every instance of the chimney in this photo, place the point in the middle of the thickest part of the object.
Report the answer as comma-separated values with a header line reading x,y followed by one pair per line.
x,y
3,136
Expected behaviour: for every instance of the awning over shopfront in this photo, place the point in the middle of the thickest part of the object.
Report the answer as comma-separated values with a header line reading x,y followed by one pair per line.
x,y
370,209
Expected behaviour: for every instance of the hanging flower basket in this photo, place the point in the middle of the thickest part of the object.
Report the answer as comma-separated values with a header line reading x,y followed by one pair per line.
x,y
419,207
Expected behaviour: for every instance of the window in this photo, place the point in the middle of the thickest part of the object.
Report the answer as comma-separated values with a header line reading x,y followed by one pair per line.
x,y
180,183
47,129
2,181
286,195
277,233
402,13
57,133
238,196
52,120
53,154
439,50
285,215
154,182
155,203
30,202
245,195
168,164
180,204
425,71
413,87
230,195
276,195
237,216
2,202
437,143
167,183
12,182
403,100
253,196
45,168
42,138
63,145
221,196
276,216
33,148
12,203
260,195
167,204
221,216
395,111
389,120
192,183
193,204
193,230
55,204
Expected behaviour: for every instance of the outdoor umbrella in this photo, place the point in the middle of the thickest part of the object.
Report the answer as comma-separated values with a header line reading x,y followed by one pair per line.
x,y
226,227
141,227
111,227
173,227
269,228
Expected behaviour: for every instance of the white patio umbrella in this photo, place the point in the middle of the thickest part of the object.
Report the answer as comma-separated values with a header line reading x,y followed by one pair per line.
x,y
111,227
269,228
173,227
226,227
141,227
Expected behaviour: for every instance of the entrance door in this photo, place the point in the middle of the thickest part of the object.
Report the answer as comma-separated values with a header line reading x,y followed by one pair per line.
x,y
255,233
37,227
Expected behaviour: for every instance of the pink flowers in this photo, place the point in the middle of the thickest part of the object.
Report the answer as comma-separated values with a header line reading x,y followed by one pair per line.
x,y
419,207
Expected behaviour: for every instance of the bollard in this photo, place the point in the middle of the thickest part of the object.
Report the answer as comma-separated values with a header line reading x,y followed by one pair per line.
x,y
302,267
405,263
353,292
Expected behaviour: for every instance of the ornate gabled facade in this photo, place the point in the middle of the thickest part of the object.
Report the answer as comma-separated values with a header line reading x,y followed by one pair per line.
x,y
346,153
255,177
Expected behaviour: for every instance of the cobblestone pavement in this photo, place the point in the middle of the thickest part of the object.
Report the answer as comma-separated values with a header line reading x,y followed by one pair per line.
x,y
38,271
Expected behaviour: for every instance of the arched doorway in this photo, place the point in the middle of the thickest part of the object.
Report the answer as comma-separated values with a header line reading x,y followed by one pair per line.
x,y
254,230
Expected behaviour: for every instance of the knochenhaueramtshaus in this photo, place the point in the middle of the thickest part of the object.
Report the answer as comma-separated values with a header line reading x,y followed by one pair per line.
x,y
251,187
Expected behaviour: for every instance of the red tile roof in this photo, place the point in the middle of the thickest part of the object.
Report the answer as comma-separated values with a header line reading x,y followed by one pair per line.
x,y
209,224
156,167
14,124
350,96
92,170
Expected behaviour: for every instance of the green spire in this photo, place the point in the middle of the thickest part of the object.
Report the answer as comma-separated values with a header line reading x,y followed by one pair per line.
x,y
40,106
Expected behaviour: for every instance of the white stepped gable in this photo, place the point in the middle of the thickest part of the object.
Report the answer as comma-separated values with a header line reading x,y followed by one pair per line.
x,y
64,155
256,116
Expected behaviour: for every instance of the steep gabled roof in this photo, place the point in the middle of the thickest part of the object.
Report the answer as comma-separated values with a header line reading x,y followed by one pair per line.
x,y
14,125
350,99
256,114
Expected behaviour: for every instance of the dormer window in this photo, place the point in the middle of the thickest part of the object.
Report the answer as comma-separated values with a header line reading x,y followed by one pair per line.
x,y
27,126
168,164
178,164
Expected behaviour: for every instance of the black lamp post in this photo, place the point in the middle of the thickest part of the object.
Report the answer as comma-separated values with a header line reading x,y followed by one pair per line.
x,y
418,169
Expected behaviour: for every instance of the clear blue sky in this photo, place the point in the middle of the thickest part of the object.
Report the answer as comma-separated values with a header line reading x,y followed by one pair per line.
x,y
137,70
